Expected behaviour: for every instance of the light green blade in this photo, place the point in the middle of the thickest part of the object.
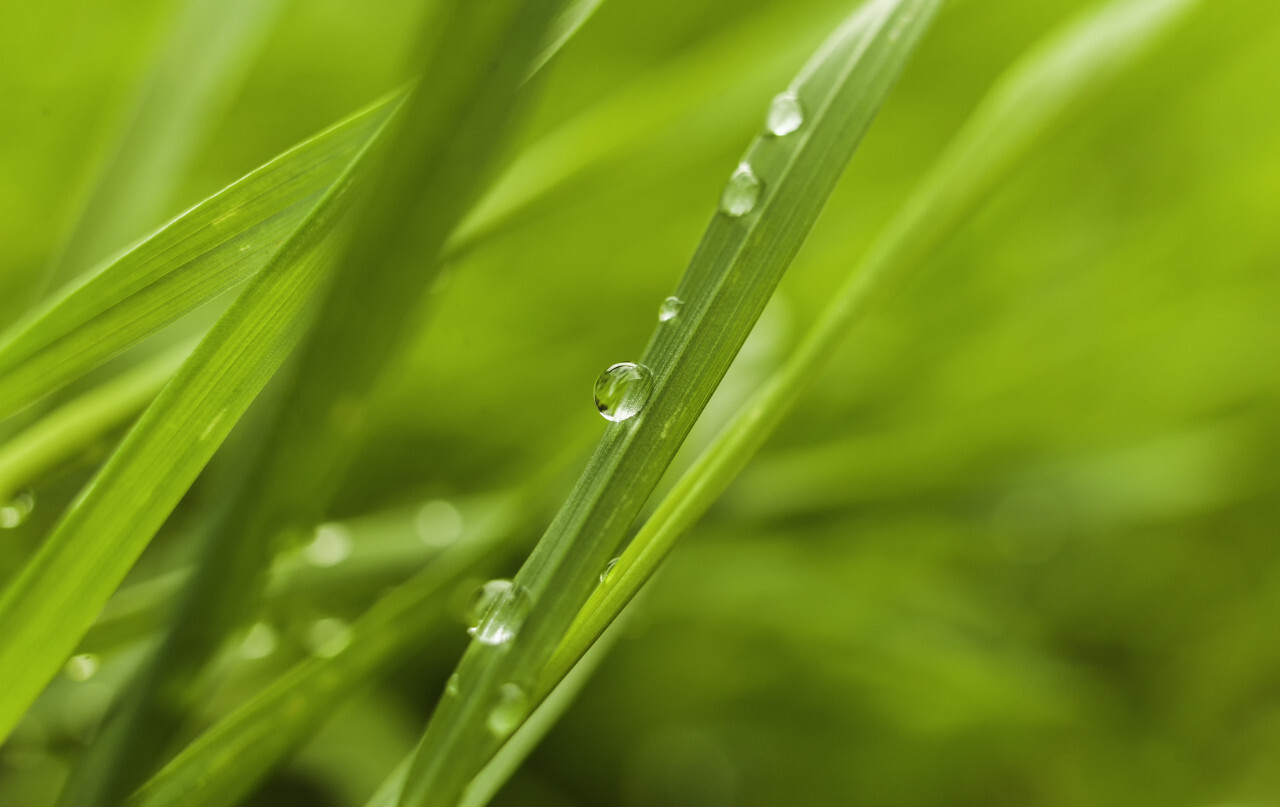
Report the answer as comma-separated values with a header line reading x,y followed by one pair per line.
x,y
743,254
1026,105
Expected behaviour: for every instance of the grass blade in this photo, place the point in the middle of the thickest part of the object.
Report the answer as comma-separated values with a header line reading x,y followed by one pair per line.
x,y
205,59
731,277
1024,107
205,251
45,611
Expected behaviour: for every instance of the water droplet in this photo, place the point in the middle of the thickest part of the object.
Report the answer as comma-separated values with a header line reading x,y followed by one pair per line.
x,y
331,546
453,686
669,308
497,611
438,523
608,567
17,510
259,642
82,667
328,637
510,710
785,114
741,192
623,390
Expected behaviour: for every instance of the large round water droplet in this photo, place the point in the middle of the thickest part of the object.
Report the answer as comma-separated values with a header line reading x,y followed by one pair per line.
x,y
669,308
16,510
623,390
497,611
741,192
510,710
785,114
82,667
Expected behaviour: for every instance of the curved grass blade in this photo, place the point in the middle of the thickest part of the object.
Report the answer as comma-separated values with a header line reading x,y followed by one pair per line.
x,y
227,761
741,258
52,603
59,435
205,60
1029,103
205,251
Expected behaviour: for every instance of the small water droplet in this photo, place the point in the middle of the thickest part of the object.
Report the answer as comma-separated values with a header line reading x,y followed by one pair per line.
x,y
328,637
330,546
510,710
785,114
608,568
16,511
438,523
623,390
82,667
453,686
497,611
669,309
259,642
741,192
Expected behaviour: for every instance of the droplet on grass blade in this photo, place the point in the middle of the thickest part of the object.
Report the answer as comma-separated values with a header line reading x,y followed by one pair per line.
x,y
82,667
622,391
741,192
438,523
497,611
785,114
608,567
328,637
453,686
259,642
669,309
16,511
330,546
510,710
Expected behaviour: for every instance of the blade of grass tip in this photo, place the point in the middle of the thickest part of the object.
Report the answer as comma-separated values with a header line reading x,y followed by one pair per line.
x,y
205,60
227,761
433,168
53,601
1024,107
79,423
767,209
211,248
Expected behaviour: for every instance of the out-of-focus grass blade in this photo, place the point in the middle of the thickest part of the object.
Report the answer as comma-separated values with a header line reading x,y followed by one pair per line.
x,y
228,760
60,434
815,128
1026,105
566,24
433,167
50,605
206,58
198,255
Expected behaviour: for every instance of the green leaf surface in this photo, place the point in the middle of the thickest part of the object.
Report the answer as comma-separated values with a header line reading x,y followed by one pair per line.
x,y
730,279
1030,102
200,254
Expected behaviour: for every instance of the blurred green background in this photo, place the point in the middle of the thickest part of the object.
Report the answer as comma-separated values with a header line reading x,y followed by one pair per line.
x,y
1019,544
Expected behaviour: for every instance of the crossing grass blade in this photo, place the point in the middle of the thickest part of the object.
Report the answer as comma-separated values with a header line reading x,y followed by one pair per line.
x,y
1030,102
50,605
200,254
730,279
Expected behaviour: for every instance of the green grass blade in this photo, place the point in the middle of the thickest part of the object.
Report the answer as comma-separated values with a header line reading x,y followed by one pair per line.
x,y
72,427
205,60
731,277
227,761
205,251
566,24
1024,107
52,603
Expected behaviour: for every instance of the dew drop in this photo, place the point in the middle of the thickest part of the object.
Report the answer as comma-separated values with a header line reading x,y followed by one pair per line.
x,y
438,523
510,710
453,686
608,569
669,309
259,642
623,390
741,192
16,511
82,667
331,546
497,611
328,637
785,114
